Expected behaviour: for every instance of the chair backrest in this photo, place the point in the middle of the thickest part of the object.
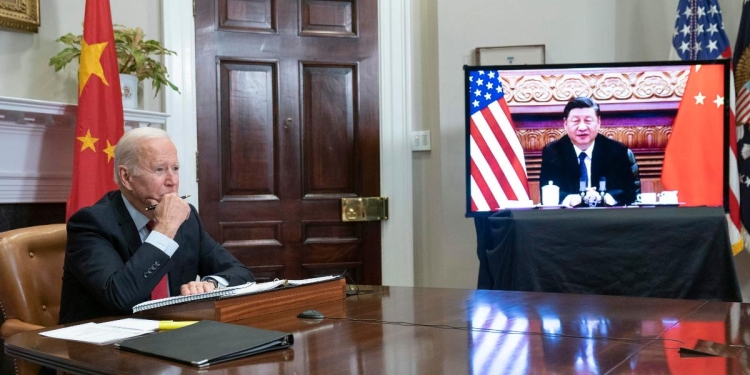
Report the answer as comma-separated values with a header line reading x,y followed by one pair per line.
x,y
636,172
31,269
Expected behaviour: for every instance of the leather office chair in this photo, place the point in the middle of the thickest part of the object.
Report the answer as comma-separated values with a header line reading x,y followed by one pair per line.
x,y
31,268
636,172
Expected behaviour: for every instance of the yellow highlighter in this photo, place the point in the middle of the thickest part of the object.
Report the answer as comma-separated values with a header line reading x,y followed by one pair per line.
x,y
170,324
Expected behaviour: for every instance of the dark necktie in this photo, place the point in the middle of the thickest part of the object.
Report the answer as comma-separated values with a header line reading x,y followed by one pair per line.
x,y
162,288
582,165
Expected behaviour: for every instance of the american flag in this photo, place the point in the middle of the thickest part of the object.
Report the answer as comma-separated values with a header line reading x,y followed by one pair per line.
x,y
741,63
699,35
497,166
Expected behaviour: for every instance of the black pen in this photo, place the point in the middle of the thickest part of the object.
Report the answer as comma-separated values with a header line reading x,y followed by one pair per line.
x,y
149,208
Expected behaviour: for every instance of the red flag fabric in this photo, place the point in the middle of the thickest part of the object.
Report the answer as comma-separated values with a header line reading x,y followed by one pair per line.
x,y
100,118
695,150
699,35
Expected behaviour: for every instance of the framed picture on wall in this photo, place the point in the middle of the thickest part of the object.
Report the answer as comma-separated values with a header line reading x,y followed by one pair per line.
x,y
20,15
510,55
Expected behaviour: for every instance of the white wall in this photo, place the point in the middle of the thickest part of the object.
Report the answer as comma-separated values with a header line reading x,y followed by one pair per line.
x,y
24,56
449,30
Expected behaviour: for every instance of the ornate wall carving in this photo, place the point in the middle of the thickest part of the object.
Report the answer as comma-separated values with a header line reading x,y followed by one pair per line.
x,y
620,85
635,137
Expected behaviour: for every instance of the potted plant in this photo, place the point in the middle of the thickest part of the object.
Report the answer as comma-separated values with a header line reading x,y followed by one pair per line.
x,y
133,59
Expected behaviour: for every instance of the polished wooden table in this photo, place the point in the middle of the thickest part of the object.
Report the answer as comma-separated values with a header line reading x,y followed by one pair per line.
x,y
399,330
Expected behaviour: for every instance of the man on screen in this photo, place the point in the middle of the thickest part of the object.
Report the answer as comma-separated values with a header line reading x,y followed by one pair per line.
x,y
142,241
579,160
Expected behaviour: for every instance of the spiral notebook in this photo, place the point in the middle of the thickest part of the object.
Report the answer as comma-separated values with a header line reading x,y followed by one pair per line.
x,y
237,290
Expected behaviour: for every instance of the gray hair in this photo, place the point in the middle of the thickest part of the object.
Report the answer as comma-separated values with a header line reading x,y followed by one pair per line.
x,y
126,152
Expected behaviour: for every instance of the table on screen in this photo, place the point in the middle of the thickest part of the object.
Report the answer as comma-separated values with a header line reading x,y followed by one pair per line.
x,y
670,252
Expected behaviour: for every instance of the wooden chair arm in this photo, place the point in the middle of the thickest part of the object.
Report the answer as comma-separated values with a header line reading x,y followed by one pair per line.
x,y
13,326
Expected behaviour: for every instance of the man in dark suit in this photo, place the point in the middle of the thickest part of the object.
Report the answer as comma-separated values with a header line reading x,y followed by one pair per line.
x,y
583,156
120,253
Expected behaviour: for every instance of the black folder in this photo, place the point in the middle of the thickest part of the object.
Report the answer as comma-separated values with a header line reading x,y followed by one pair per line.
x,y
208,342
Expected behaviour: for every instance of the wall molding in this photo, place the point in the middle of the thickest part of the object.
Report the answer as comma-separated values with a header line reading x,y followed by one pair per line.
x,y
36,147
178,27
396,180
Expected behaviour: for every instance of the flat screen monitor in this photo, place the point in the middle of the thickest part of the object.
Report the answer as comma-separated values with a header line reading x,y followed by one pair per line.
x,y
660,127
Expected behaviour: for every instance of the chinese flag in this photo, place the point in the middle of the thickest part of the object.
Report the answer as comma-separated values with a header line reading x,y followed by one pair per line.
x,y
100,118
694,157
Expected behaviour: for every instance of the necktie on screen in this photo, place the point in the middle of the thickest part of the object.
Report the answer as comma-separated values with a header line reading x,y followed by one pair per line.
x,y
584,172
162,289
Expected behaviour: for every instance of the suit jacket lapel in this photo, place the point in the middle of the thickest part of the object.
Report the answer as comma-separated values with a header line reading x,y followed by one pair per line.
x,y
570,162
127,227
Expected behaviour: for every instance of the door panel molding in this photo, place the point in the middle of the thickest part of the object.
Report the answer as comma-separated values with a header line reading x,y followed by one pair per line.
x,y
246,234
247,125
329,96
260,16
328,18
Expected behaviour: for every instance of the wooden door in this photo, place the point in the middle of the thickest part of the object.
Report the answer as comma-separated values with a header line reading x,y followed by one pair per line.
x,y
288,124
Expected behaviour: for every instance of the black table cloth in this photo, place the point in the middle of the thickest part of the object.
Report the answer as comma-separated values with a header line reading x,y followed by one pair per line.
x,y
670,252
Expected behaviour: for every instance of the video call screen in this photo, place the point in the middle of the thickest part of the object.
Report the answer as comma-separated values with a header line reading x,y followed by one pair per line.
x,y
673,116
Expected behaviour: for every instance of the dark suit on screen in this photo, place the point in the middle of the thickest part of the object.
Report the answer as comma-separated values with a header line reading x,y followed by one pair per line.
x,y
108,269
611,159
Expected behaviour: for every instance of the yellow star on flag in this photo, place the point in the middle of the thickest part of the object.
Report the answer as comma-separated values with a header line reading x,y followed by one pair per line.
x,y
90,64
88,141
110,151
719,101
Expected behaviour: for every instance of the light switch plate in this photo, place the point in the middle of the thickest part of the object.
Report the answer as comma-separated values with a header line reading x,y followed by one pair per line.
x,y
420,140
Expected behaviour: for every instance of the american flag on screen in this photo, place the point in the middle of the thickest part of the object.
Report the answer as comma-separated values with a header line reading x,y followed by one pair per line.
x,y
699,35
497,166
741,63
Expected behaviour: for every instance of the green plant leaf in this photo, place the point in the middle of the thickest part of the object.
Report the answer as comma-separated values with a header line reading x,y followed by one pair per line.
x,y
134,53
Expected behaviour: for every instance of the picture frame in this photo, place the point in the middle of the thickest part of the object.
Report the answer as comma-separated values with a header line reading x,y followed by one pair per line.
x,y
511,55
20,15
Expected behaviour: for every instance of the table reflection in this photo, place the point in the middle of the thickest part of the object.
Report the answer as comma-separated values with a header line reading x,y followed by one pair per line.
x,y
513,338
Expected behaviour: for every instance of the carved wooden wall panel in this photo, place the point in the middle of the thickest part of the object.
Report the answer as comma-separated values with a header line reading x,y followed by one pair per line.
x,y
329,157
247,95
624,85
329,18
635,137
247,15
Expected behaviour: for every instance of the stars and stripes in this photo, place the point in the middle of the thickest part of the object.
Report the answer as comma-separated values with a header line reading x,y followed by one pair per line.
x,y
699,31
497,165
741,62
699,35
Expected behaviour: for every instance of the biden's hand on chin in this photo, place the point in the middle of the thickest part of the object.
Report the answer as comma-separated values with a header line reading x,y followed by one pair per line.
x,y
170,213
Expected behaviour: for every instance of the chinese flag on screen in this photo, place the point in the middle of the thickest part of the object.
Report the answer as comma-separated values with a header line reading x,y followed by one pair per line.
x,y
694,157
100,118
